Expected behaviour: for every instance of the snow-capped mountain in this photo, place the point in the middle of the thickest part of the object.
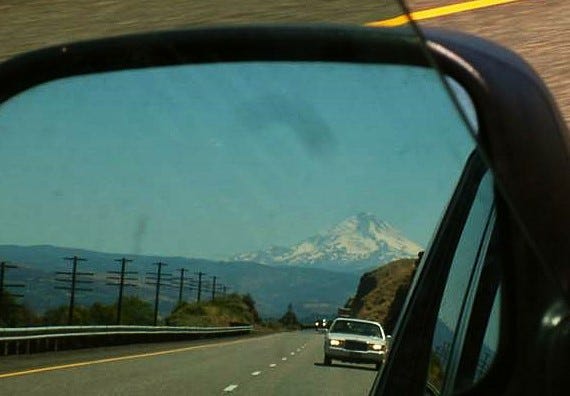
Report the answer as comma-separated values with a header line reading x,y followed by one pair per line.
x,y
358,243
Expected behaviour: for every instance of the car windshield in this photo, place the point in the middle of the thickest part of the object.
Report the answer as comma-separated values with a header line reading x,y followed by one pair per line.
x,y
358,328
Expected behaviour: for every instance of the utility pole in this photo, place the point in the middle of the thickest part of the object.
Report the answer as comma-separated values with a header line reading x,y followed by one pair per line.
x,y
118,278
156,280
73,278
4,266
214,287
192,286
200,275
181,284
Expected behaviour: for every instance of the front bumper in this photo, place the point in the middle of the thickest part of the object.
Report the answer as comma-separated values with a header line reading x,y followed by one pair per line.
x,y
346,355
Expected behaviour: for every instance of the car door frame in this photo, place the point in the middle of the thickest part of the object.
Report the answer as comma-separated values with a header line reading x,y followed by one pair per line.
x,y
526,144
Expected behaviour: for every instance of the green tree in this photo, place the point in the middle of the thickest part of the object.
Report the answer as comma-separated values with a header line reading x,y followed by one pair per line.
x,y
14,314
58,316
249,301
136,311
289,319
102,314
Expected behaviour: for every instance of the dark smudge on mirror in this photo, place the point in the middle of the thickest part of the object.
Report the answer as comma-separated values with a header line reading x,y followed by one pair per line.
x,y
295,114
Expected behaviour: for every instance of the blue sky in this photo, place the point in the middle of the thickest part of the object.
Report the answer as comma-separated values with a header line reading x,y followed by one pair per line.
x,y
212,160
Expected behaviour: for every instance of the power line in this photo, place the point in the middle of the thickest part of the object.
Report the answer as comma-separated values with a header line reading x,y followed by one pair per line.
x,y
121,279
200,275
181,285
214,287
157,279
4,266
73,278
183,282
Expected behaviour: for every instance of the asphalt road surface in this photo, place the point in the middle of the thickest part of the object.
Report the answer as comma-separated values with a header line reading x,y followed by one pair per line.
x,y
536,29
278,364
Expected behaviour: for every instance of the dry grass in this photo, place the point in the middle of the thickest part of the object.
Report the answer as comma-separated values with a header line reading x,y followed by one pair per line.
x,y
377,290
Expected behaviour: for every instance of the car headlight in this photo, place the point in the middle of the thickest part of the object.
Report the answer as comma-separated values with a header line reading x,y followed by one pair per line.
x,y
334,342
377,347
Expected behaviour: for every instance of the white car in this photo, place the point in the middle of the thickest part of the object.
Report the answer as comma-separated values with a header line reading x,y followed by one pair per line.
x,y
355,341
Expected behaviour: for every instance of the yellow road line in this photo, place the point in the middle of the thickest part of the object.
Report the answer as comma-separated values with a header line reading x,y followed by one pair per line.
x,y
438,12
117,359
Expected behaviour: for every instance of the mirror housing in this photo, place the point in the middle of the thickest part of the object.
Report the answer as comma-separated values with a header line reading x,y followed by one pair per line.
x,y
522,138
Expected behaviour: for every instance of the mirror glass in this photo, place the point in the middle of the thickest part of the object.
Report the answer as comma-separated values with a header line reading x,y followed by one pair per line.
x,y
282,181
465,103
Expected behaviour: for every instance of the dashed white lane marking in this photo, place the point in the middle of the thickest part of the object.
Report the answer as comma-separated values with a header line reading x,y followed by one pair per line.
x,y
283,358
230,388
256,373
298,350
292,353
272,365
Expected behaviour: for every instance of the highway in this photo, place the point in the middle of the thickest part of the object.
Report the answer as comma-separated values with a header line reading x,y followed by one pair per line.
x,y
538,30
278,364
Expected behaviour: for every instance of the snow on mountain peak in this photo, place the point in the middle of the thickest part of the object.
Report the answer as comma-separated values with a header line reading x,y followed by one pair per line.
x,y
359,242
364,224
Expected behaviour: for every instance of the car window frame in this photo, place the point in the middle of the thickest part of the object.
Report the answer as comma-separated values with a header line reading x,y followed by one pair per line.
x,y
460,331
405,371
477,321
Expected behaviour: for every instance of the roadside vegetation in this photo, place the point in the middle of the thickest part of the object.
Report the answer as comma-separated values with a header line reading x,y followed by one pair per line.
x,y
289,320
381,292
14,314
135,311
231,310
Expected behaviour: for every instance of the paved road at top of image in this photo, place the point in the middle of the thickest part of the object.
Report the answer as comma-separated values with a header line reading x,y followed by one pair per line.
x,y
536,29
280,364
539,30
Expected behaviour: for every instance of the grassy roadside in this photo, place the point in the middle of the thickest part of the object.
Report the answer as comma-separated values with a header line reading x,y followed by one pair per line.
x,y
230,310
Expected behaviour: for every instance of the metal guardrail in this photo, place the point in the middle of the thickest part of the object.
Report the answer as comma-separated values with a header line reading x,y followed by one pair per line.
x,y
60,331
38,339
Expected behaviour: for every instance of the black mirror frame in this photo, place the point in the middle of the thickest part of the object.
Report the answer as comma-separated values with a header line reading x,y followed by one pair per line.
x,y
522,136
232,44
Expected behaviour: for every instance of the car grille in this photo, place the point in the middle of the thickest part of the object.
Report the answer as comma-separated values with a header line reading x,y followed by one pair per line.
x,y
355,345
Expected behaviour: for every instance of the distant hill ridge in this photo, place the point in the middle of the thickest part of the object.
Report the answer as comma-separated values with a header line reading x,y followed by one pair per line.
x,y
311,291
